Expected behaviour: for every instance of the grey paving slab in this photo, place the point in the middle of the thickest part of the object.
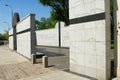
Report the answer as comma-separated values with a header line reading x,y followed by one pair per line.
x,y
14,66
116,78
10,57
57,57
56,75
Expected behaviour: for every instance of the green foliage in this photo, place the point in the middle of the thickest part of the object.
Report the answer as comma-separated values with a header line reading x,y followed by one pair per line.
x,y
46,23
112,24
4,36
112,44
111,6
1,37
60,8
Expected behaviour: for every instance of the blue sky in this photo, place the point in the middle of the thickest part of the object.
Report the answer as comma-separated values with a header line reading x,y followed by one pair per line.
x,y
23,7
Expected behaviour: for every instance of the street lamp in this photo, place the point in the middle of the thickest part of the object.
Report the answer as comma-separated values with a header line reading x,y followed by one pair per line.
x,y
11,10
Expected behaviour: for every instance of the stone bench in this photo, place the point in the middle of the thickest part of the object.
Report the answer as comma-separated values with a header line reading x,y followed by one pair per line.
x,y
35,56
39,55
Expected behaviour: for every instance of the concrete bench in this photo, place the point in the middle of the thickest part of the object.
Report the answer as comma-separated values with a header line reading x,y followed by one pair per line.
x,y
35,56
39,55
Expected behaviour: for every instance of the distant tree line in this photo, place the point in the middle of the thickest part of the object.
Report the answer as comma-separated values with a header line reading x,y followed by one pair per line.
x,y
46,23
4,36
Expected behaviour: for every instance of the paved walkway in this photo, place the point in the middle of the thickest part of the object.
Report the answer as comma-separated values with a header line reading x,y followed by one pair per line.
x,y
56,75
15,67
9,57
116,78
57,57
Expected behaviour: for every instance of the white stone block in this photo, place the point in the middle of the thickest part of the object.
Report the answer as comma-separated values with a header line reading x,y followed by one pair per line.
x,y
90,61
90,35
11,42
90,41
90,71
90,48
100,49
100,6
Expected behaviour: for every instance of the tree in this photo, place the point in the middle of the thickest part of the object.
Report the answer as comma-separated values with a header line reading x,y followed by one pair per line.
x,y
1,37
60,7
5,36
51,20
46,23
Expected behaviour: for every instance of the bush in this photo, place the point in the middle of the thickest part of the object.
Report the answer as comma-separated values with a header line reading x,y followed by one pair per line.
x,y
112,44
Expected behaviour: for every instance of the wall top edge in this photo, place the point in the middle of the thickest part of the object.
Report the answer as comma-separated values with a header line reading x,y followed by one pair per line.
x,y
31,14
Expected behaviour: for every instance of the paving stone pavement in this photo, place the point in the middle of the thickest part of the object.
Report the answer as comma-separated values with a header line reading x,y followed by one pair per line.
x,y
22,70
8,56
57,57
56,75
116,78
15,67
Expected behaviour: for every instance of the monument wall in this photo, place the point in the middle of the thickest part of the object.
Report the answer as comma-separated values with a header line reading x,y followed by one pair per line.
x,y
25,30
47,37
117,35
90,38
27,38
11,38
50,37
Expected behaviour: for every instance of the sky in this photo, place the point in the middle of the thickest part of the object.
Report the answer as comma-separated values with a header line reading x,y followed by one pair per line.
x,y
23,7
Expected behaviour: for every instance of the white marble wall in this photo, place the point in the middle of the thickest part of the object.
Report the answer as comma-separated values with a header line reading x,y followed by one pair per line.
x,y
11,42
90,41
80,8
11,39
117,35
118,55
24,40
11,31
23,44
65,40
24,24
49,37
